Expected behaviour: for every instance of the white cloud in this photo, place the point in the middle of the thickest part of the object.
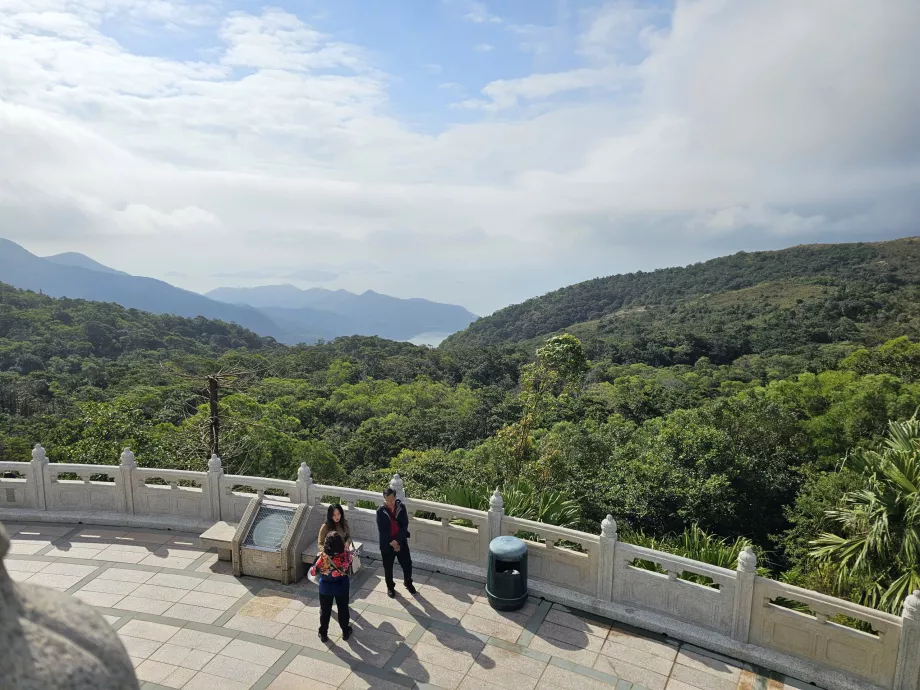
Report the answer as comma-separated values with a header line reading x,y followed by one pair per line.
x,y
282,146
479,14
483,47
508,93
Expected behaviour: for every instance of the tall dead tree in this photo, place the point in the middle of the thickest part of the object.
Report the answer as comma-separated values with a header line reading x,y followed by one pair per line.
x,y
227,380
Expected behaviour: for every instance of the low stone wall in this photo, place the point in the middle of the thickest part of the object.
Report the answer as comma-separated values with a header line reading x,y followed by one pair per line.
x,y
734,612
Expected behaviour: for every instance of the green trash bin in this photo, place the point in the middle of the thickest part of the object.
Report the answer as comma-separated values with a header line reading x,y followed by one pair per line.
x,y
506,577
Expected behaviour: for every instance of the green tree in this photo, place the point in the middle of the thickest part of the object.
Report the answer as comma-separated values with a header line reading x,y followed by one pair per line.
x,y
878,526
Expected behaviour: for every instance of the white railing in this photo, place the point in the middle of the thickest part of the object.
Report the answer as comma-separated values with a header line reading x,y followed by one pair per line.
x,y
792,630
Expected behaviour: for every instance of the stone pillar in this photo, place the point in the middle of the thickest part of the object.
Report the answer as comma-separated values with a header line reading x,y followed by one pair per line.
x,y
397,485
496,513
907,670
214,477
37,466
127,464
606,554
745,575
304,480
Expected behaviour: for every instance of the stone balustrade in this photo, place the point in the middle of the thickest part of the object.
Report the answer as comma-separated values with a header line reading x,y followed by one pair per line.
x,y
795,631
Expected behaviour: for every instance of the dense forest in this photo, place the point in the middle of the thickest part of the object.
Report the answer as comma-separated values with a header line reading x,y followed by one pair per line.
x,y
775,412
763,302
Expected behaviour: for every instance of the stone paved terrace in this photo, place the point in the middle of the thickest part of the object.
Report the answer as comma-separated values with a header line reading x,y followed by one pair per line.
x,y
188,623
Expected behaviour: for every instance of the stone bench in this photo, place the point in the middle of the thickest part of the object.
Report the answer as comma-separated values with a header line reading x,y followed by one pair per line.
x,y
220,536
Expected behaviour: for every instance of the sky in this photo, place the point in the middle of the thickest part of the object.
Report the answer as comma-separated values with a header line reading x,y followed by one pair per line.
x,y
472,152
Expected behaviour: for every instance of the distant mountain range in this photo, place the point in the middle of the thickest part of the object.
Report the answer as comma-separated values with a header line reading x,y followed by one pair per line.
x,y
284,312
316,312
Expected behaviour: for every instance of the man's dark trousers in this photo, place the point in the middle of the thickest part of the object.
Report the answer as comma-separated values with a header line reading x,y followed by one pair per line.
x,y
389,554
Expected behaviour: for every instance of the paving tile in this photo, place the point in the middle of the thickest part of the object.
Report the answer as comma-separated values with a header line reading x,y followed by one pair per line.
x,y
99,598
674,684
225,589
470,683
493,628
711,662
178,678
570,620
19,575
195,639
554,678
357,650
27,548
576,638
257,626
75,552
497,657
234,669
143,537
704,680
18,565
483,610
384,623
142,605
365,681
128,548
646,644
289,681
206,681
111,619
54,581
137,647
147,630
154,671
614,651
635,670
125,575
160,593
503,678
211,601
259,609
440,676
452,642
305,637
68,569
175,581
254,653
306,667
188,612
563,650
116,556
109,587
436,654
167,562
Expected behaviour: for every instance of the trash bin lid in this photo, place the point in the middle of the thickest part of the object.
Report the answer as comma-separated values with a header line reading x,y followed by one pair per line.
x,y
508,548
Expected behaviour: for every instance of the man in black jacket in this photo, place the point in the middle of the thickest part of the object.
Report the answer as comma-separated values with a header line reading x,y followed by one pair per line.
x,y
393,527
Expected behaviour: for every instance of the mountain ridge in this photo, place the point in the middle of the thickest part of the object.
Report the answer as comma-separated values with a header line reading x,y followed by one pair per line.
x,y
22,269
662,308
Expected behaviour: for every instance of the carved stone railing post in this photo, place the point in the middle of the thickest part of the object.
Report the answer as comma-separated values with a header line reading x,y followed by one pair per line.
x,y
745,575
127,464
496,513
38,464
907,670
304,480
396,483
213,482
606,554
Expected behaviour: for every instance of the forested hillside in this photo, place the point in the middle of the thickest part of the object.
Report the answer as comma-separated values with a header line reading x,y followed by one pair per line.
x,y
748,446
763,302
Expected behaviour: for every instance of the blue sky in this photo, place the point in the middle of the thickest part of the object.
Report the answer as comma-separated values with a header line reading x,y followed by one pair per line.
x,y
475,152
